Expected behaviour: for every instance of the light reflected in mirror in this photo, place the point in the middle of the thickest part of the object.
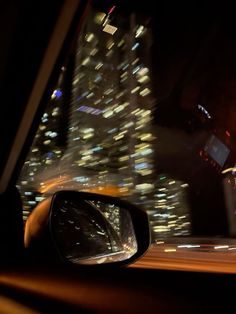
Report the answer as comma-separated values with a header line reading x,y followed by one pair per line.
x,y
92,232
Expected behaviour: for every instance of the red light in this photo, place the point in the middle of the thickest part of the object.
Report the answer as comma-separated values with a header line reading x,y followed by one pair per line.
x,y
111,9
227,133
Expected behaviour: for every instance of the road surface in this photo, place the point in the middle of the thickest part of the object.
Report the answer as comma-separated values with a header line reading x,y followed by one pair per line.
x,y
212,257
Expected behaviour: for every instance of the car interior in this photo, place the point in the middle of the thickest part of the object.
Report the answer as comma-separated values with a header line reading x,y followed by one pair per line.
x,y
117,164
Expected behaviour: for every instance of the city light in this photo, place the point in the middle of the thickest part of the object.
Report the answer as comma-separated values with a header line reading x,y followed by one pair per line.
x,y
139,31
203,109
110,29
57,93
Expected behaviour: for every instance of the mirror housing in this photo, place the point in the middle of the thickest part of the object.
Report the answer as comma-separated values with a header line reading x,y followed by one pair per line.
x,y
86,228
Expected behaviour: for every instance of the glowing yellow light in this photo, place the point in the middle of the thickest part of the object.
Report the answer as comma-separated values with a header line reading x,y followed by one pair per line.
x,y
108,91
170,250
118,137
228,170
145,92
93,52
135,61
108,190
81,163
143,71
146,137
110,29
135,111
99,17
124,158
90,95
146,113
119,108
85,61
89,37
88,135
144,186
144,79
110,45
121,43
55,113
124,190
87,130
128,125
86,157
139,31
47,142
119,95
142,146
146,172
108,114
98,66
97,101
135,89
161,201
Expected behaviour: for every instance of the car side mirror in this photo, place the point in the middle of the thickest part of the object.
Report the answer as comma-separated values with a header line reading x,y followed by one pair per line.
x,y
86,228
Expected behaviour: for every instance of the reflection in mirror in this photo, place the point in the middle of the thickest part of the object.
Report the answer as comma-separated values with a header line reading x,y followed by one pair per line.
x,y
92,232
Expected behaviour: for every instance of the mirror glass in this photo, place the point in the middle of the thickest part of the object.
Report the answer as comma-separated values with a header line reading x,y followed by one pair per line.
x,y
91,231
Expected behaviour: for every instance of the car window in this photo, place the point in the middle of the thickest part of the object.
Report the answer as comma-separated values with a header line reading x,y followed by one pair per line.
x,y
144,109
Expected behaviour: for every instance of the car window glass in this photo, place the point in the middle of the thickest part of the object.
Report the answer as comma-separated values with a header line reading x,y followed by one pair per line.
x,y
144,109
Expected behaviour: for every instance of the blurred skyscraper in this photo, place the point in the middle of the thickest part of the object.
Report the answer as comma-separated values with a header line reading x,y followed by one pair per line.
x,y
48,146
110,120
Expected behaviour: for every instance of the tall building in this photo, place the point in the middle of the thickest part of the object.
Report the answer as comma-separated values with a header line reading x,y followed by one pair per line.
x,y
110,122
170,214
47,149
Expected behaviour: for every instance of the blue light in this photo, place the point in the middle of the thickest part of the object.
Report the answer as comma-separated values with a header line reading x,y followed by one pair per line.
x,y
135,46
79,98
81,179
97,149
142,165
49,155
90,110
57,93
